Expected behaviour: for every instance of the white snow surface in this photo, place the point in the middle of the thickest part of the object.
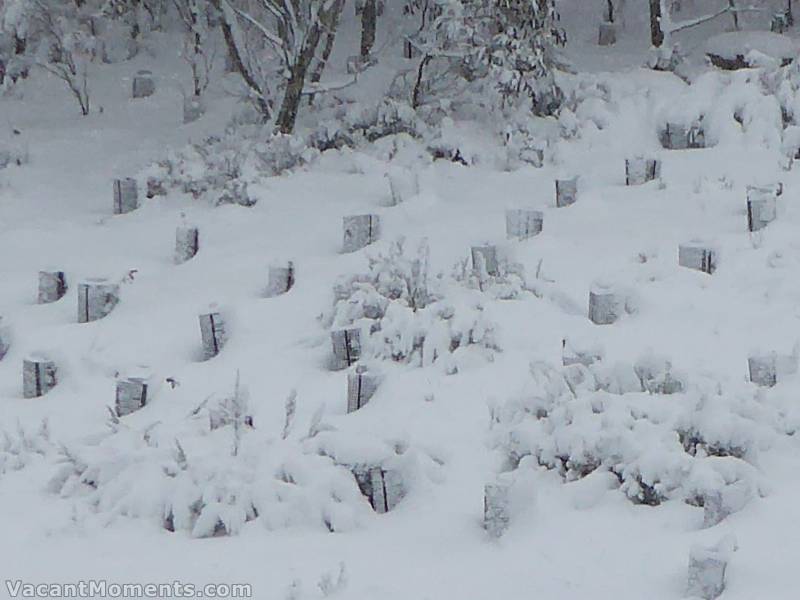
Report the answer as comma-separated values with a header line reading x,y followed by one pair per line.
x,y
448,426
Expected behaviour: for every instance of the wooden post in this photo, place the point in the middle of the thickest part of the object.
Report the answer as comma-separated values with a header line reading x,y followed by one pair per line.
x,y
566,192
641,170
126,196
496,509
605,304
52,286
607,35
143,84
131,395
361,386
383,488
38,376
706,577
212,333
523,223
96,299
187,243
696,255
762,206
484,258
346,345
192,109
360,231
280,279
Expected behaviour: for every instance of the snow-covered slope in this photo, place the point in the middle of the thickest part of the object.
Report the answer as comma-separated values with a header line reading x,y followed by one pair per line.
x,y
449,427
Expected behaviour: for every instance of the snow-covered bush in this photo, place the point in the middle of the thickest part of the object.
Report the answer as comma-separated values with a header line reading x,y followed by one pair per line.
x,y
688,446
408,316
19,448
217,471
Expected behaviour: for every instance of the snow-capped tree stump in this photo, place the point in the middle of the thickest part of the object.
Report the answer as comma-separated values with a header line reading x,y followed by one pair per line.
x,y
192,109
52,286
706,577
187,243
605,304
403,184
361,386
523,223
131,395
383,488
639,170
676,136
607,34
280,279
38,376
484,260
143,84
126,196
566,192
714,509
212,334
496,509
96,299
696,255
762,206
360,231
346,345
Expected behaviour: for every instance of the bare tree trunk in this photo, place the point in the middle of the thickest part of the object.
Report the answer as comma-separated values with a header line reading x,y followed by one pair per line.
x,y
656,34
238,63
734,14
369,23
330,38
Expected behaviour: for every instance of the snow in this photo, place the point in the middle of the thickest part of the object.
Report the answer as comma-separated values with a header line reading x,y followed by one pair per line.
x,y
603,499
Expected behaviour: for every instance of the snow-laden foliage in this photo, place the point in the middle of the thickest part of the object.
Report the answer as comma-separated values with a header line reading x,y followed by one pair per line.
x,y
216,471
407,315
20,447
659,442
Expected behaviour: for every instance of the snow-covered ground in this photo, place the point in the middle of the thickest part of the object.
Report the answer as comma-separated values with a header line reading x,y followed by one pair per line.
x,y
567,540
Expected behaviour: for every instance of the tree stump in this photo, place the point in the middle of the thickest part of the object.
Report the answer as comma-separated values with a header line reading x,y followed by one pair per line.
x,y
484,260
607,35
523,223
695,255
212,334
280,279
383,488
143,84
605,304
96,299
38,376
762,205
496,508
131,395
187,243
706,577
52,286
193,109
566,192
346,345
639,171
403,184
676,136
763,370
360,231
361,386
126,196
714,509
